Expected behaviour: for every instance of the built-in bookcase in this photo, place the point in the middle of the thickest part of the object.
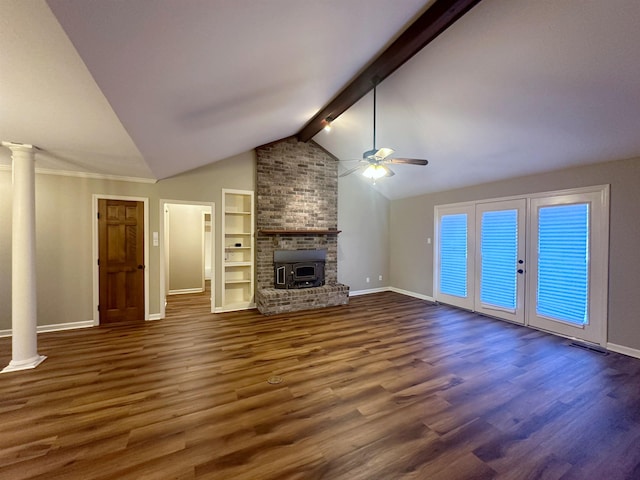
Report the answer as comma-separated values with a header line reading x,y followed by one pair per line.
x,y
238,254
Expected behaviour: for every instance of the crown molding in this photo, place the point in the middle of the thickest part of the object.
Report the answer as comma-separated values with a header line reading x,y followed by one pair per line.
x,y
89,175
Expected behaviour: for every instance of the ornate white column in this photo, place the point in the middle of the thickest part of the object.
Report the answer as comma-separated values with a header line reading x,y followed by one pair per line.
x,y
23,261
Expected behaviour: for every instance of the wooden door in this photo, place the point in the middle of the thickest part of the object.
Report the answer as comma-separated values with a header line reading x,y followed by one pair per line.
x,y
121,261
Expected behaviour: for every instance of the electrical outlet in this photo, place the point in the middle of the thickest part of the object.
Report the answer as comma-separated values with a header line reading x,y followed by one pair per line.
x,y
367,279
380,277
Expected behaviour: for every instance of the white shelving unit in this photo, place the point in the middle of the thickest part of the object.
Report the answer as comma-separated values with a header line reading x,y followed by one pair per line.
x,y
238,250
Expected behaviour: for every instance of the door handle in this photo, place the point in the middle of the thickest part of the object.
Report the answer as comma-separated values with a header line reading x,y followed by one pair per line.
x,y
520,271
140,267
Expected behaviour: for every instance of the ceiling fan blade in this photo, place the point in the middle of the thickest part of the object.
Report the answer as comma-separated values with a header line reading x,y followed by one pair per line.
x,y
390,173
377,154
350,171
407,161
383,153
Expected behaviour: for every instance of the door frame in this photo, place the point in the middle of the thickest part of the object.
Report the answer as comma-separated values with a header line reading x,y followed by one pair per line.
x,y
164,251
95,250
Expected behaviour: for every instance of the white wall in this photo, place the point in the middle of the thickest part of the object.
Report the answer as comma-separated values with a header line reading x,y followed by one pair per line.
x,y
363,245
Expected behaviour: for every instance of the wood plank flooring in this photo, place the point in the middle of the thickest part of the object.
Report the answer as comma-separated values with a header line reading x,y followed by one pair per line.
x,y
388,387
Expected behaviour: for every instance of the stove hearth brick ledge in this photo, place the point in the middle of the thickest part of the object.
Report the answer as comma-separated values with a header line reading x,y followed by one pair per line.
x,y
271,301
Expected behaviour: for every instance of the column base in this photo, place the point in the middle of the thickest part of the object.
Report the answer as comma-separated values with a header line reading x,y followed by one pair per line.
x,y
24,365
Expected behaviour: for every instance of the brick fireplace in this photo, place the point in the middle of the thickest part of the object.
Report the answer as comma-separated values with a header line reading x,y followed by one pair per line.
x,y
297,209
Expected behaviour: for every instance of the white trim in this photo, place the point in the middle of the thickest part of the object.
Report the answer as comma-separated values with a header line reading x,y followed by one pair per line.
x,y
154,316
95,176
96,270
204,250
355,293
56,327
24,365
235,307
566,191
184,291
632,352
421,296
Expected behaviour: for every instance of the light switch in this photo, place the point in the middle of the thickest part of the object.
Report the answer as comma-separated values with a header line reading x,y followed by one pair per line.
x,y
155,239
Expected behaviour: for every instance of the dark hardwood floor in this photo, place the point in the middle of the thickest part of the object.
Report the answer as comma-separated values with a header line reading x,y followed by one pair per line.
x,y
388,387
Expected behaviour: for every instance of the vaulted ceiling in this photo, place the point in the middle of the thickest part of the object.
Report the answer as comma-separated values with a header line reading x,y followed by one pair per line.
x,y
151,89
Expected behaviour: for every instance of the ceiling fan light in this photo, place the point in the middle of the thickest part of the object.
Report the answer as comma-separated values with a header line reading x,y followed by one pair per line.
x,y
374,172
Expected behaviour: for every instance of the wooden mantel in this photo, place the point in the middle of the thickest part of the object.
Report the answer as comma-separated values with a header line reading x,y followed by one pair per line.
x,y
299,232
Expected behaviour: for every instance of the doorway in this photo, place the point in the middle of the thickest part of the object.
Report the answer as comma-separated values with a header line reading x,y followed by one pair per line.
x,y
186,252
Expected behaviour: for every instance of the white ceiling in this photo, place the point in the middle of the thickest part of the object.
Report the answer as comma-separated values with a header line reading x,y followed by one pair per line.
x,y
154,88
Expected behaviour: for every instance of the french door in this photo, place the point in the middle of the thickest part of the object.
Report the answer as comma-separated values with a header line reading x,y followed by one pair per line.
x,y
568,265
500,259
455,263
540,261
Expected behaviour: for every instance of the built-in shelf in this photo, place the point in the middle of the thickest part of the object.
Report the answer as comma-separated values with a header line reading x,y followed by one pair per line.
x,y
299,232
238,264
238,261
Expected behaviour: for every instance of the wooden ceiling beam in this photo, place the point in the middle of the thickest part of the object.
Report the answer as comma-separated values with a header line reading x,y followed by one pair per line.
x,y
435,20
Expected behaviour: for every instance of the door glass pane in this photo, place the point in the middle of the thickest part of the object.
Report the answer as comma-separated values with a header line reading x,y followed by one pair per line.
x,y
499,253
453,255
563,263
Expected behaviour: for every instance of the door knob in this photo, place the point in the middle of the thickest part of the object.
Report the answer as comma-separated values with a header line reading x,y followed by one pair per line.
x,y
140,267
520,271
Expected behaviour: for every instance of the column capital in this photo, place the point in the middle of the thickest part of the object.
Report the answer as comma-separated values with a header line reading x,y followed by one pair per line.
x,y
20,147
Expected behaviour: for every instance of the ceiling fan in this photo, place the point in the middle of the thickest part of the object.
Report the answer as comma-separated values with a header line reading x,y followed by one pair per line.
x,y
377,159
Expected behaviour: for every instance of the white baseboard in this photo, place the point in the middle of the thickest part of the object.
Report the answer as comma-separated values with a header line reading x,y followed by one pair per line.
x,y
355,293
632,352
412,294
184,291
391,289
55,327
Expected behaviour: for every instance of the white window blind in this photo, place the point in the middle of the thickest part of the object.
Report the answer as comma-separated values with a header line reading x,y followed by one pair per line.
x,y
563,263
453,255
499,257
